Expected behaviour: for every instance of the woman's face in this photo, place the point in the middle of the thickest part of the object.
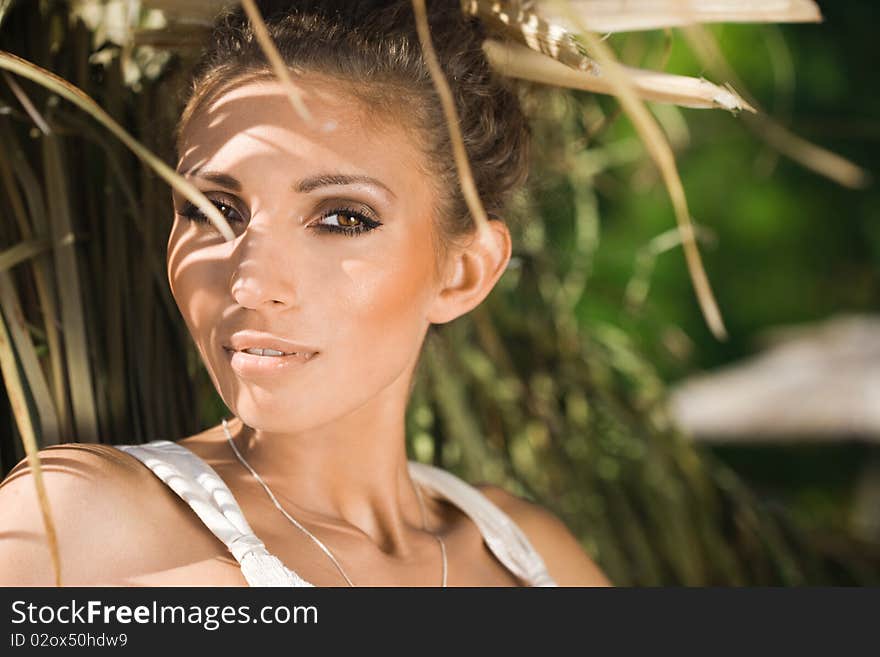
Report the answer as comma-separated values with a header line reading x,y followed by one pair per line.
x,y
333,256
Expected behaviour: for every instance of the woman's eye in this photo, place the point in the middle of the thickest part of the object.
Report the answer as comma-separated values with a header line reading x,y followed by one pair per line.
x,y
341,220
345,221
190,211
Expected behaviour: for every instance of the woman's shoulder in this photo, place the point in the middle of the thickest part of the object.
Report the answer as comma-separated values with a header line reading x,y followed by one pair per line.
x,y
566,561
105,508
73,473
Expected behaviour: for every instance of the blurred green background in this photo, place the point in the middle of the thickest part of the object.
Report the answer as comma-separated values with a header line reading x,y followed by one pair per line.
x,y
788,247
791,246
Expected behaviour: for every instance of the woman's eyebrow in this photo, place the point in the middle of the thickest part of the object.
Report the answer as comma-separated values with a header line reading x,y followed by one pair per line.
x,y
303,186
312,183
223,179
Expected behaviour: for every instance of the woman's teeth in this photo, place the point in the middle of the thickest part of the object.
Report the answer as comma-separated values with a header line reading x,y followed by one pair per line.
x,y
267,352
302,355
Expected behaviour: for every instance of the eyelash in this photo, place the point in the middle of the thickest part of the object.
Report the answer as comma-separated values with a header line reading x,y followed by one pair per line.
x,y
191,212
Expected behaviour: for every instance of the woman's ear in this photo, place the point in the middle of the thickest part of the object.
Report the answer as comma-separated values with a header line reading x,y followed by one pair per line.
x,y
472,272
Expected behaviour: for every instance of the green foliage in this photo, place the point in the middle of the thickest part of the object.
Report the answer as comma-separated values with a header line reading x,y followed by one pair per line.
x,y
570,414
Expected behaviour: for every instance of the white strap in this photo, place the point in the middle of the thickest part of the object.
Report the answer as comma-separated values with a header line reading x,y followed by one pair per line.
x,y
199,485
506,540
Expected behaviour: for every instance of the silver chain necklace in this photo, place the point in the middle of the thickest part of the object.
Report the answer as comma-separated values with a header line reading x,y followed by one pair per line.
x,y
314,538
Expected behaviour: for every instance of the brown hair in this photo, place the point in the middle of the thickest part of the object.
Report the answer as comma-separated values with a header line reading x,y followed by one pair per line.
x,y
374,46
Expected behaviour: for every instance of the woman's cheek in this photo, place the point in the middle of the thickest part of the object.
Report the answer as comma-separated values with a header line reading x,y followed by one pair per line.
x,y
383,309
196,295
383,292
195,285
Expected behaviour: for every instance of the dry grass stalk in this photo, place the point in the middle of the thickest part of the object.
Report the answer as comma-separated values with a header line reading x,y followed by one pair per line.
x,y
18,403
15,201
518,21
29,248
818,159
662,155
468,186
21,252
75,95
46,290
191,12
72,316
633,15
813,157
70,293
52,412
519,61
545,29
26,103
274,57
29,362
639,284
177,37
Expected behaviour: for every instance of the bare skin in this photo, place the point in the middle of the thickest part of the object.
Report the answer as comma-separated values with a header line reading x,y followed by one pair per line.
x,y
327,434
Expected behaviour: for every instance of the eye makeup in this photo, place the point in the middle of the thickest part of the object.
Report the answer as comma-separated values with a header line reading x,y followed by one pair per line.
x,y
343,215
189,211
348,220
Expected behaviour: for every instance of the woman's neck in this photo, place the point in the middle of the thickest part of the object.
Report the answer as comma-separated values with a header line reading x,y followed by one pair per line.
x,y
353,470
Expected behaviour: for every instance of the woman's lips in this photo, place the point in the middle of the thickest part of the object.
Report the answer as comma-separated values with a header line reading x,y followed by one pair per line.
x,y
252,366
250,339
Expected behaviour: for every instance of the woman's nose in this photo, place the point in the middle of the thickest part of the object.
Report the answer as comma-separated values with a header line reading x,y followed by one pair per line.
x,y
262,273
